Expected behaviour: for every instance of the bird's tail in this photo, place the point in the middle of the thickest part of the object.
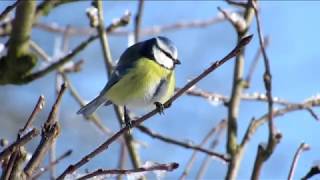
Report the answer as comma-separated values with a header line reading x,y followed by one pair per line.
x,y
92,106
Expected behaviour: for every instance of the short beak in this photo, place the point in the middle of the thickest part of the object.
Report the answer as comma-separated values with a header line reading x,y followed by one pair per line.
x,y
177,61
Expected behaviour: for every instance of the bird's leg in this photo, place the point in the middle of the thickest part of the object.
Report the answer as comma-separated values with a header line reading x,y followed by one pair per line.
x,y
160,107
127,119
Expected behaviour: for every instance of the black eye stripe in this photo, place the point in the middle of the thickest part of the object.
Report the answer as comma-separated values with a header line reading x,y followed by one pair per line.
x,y
166,53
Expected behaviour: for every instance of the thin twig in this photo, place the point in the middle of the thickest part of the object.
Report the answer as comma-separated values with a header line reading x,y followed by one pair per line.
x,y
104,38
137,22
43,170
8,168
122,159
58,78
157,167
313,114
39,106
302,147
181,144
46,6
314,170
18,154
53,146
153,30
75,51
254,63
203,168
60,62
264,153
17,170
180,26
39,51
73,31
255,124
211,96
94,118
221,125
50,131
237,3
236,20
22,141
267,77
137,122
208,159
128,139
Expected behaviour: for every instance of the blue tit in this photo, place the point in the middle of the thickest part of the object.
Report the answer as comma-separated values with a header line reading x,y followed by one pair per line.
x,y
144,77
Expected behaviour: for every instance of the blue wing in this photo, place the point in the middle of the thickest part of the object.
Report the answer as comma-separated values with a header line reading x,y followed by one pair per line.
x,y
126,62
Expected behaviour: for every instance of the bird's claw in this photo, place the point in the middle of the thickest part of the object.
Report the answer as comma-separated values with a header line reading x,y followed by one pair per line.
x,y
128,124
160,107
127,121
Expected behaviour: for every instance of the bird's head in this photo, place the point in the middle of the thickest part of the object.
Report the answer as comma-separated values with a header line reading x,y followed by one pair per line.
x,y
164,52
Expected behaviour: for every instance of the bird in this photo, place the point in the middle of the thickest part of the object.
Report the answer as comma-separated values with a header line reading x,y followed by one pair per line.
x,y
143,78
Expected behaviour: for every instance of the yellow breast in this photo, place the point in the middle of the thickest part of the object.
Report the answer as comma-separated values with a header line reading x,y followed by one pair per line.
x,y
138,86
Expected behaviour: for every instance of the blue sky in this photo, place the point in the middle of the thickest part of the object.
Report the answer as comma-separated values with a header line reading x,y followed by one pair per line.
x,y
294,57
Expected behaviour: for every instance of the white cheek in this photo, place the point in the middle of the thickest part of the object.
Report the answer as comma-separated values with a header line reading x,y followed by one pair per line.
x,y
162,59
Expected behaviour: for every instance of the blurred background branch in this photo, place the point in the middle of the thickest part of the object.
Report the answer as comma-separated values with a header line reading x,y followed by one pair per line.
x,y
274,137
241,25
301,148
134,156
216,130
19,61
156,167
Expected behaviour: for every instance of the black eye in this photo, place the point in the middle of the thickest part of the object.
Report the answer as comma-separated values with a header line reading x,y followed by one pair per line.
x,y
166,53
